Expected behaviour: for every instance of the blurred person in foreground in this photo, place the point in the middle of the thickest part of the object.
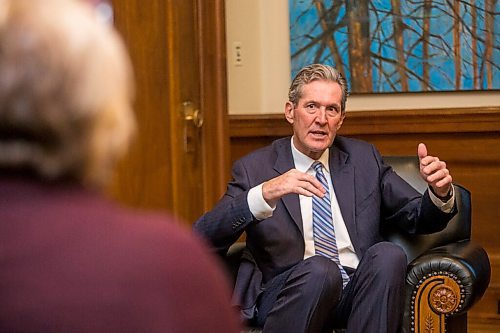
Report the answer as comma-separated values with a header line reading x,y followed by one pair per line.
x,y
313,206
70,260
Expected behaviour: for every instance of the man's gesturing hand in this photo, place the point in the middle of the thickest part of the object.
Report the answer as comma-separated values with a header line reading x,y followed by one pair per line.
x,y
292,181
434,172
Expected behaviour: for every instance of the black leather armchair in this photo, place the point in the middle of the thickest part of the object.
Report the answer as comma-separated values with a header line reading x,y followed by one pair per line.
x,y
447,272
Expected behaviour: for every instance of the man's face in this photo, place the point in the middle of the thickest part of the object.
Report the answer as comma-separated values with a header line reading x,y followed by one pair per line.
x,y
316,118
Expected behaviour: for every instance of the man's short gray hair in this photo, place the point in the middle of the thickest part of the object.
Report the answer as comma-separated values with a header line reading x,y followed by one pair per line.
x,y
315,72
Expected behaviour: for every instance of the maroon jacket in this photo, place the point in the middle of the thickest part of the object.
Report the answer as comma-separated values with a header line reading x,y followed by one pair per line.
x,y
71,261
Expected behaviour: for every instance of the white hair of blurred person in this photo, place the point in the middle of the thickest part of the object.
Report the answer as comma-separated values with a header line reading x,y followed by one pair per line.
x,y
66,91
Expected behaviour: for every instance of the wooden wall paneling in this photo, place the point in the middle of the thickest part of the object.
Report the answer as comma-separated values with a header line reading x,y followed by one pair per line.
x,y
467,139
143,176
184,84
178,53
215,134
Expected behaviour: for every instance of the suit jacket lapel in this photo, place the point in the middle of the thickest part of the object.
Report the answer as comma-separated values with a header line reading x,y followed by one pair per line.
x,y
284,162
342,173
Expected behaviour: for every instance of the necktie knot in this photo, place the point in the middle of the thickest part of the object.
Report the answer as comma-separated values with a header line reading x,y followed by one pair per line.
x,y
317,166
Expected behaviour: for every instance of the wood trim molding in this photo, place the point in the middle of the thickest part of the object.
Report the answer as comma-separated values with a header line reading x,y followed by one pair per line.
x,y
213,74
258,125
464,120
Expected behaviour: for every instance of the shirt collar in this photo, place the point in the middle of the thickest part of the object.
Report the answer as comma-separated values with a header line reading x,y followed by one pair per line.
x,y
303,162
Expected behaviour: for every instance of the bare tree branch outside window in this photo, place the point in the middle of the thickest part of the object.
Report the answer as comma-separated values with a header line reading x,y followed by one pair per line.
x,y
400,45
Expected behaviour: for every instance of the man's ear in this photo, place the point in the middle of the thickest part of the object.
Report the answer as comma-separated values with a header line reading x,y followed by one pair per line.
x,y
289,112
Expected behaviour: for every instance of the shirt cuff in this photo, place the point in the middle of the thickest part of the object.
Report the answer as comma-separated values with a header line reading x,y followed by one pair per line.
x,y
259,208
445,207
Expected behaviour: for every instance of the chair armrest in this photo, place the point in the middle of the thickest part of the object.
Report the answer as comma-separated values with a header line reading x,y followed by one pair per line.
x,y
465,262
446,280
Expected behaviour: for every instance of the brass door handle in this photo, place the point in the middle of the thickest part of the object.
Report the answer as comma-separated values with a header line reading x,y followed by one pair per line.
x,y
192,114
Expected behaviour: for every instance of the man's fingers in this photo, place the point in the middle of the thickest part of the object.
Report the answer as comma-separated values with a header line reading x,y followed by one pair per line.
x,y
312,186
298,182
436,175
433,164
444,182
309,191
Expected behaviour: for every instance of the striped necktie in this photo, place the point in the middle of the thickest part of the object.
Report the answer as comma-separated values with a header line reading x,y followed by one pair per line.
x,y
324,236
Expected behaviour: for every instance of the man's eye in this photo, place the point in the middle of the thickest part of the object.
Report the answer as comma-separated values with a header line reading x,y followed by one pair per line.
x,y
332,110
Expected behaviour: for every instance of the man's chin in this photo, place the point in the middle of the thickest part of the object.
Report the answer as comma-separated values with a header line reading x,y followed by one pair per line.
x,y
319,146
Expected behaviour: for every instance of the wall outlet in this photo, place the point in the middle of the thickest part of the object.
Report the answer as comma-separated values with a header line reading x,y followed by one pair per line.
x,y
237,54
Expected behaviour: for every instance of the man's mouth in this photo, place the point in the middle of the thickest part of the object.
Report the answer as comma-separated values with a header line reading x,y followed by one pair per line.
x,y
319,133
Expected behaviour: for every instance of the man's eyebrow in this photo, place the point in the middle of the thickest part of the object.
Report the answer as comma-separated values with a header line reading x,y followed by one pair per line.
x,y
335,105
310,101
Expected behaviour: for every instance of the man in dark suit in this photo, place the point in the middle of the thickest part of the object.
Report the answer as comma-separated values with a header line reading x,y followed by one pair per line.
x,y
294,278
71,260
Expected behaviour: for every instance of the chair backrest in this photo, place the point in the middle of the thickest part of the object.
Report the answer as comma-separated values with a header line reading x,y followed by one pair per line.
x,y
458,229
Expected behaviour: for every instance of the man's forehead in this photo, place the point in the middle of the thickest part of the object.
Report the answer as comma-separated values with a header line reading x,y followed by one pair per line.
x,y
309,91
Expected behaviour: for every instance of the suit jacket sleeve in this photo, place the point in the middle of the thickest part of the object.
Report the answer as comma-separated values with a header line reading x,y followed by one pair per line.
x,y
415,214
225,223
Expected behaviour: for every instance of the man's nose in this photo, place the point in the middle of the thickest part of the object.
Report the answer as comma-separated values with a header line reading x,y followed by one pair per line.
x,y
321,115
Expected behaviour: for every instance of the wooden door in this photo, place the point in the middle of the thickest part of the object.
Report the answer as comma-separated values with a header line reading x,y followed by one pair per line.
x,y
178,53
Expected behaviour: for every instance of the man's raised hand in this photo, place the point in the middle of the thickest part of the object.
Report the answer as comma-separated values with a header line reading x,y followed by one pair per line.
x,y
434,172
293,181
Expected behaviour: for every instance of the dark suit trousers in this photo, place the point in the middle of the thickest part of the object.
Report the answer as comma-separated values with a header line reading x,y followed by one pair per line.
x,y
309,297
